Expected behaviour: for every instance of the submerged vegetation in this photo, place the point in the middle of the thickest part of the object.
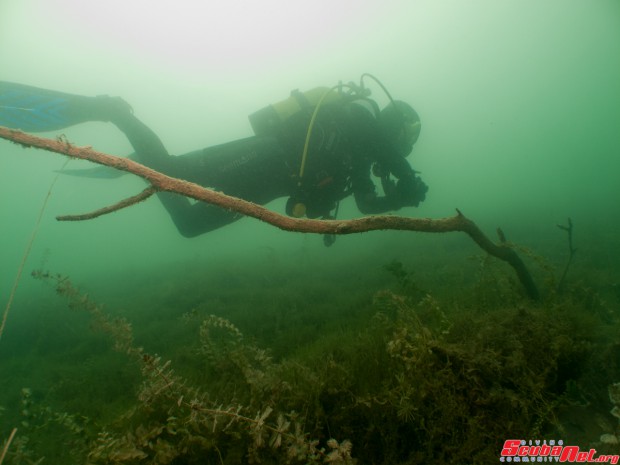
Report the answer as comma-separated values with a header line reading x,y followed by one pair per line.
x,y
263,369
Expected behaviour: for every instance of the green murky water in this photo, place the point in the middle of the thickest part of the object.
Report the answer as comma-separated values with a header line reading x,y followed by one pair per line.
x,y
416,348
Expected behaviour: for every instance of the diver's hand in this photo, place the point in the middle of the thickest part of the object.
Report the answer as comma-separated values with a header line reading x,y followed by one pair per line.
x,y
410,191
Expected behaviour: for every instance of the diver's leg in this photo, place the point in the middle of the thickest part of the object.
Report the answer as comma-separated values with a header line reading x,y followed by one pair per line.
x,y
147,145
40,110
252,169
34,109
191,220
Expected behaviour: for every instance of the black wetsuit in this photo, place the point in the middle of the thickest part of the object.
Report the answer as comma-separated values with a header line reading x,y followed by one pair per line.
x,y
346,142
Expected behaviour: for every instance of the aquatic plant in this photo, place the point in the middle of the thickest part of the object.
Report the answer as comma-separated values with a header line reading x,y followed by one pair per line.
x,y
177,421
611,439
422,381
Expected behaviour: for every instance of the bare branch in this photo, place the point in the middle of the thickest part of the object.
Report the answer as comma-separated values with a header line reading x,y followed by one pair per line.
x,y
571,250
145,194
161,182
7,445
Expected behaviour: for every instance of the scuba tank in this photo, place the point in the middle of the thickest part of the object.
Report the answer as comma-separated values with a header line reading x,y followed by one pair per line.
x,y
268,120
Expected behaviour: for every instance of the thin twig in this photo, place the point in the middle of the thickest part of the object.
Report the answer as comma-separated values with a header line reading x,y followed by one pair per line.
x,y
571,251
27,253
145,194
6,446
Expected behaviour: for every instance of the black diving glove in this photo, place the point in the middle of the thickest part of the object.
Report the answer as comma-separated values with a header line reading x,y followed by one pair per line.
x,y
410,191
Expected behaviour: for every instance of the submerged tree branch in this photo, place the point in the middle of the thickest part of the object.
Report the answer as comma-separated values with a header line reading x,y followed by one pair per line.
x,y
161,182
129,201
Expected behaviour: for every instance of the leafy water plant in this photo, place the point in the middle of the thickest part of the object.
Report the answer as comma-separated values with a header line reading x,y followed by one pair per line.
x,y
420,380
175,422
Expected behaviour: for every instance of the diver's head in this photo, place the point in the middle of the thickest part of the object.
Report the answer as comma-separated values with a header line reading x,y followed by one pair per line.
x,y
401,125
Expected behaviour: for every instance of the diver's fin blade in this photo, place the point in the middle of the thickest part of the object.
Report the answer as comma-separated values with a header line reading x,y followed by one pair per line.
x,y
33,109
100,172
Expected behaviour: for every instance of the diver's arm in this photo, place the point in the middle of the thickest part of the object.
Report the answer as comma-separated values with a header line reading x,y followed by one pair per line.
x,y
369,203
409,190
373,149
398,166
365,194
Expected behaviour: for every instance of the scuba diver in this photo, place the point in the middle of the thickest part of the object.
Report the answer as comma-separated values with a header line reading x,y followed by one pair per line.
x,y
316,148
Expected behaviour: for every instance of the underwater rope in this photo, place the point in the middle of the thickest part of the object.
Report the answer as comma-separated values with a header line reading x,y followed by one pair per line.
x,y
389,96
27,251
304,155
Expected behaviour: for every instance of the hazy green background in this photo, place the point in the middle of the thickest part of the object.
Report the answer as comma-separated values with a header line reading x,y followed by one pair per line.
x,y
520,102
520,107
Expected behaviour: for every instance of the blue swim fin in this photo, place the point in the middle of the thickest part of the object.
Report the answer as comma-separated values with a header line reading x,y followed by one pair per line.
x,y
33,109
